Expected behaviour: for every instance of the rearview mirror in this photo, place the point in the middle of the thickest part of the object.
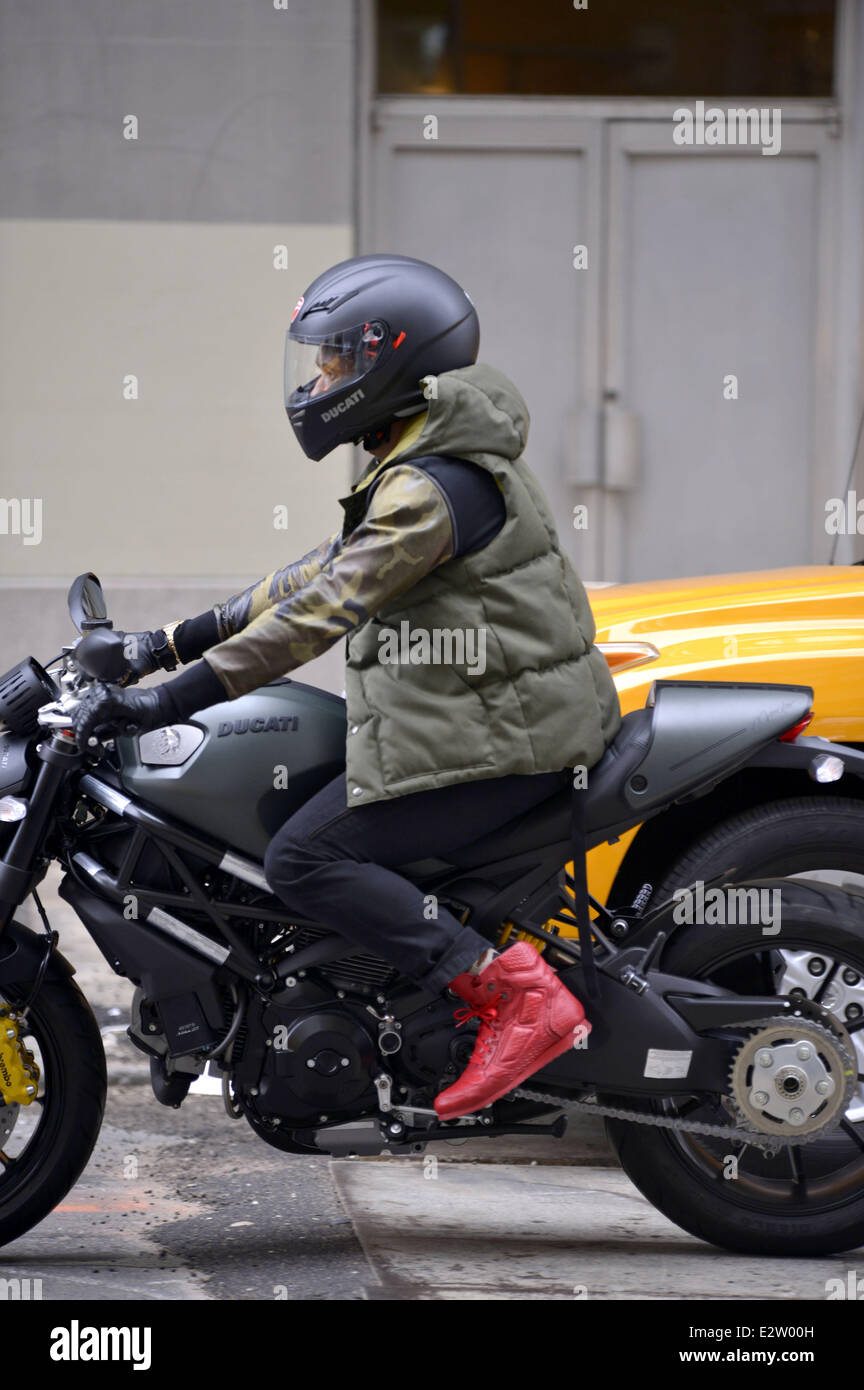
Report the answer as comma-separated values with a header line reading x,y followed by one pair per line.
x,y
87,603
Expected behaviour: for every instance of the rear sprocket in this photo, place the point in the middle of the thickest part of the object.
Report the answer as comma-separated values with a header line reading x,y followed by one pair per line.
x,y
793,1077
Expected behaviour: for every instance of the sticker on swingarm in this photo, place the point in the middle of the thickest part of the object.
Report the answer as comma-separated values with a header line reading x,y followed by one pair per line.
x,y
667,1065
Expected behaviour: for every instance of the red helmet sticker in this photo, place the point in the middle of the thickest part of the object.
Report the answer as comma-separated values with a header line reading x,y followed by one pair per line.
x,y
297,307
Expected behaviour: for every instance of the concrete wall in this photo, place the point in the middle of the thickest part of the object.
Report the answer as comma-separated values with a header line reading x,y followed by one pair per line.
x,y
155,258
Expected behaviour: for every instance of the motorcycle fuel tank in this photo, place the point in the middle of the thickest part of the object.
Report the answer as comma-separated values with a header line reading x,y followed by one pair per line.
x,y
236,771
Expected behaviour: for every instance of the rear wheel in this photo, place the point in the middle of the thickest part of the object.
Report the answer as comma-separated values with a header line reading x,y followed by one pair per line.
x,y
807,1199
45,1145
820,836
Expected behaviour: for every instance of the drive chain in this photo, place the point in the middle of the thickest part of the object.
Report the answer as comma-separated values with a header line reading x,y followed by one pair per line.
x,y
736,1133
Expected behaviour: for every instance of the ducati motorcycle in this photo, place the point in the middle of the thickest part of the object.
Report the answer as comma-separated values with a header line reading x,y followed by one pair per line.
x,y
725,1056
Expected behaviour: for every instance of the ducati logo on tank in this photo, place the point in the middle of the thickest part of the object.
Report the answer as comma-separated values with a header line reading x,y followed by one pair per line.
x,y
168,740
277,723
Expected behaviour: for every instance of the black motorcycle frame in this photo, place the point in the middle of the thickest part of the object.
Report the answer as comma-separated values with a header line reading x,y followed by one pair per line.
x,y
202,981
637,1007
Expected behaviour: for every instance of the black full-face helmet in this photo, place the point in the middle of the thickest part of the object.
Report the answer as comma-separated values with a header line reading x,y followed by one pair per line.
x,y
362,337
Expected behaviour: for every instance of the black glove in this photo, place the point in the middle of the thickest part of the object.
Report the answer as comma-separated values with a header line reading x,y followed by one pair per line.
x,y
106,710
145,653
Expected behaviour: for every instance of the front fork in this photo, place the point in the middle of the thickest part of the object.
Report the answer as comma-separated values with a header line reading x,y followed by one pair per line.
x,y
19,871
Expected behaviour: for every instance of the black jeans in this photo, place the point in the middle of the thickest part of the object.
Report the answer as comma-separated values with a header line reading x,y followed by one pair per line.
x,y
335,864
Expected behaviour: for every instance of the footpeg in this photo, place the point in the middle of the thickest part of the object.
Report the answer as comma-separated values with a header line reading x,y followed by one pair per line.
x,y
417,1115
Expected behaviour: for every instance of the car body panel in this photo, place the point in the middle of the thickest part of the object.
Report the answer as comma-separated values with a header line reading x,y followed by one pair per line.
x,y
801,625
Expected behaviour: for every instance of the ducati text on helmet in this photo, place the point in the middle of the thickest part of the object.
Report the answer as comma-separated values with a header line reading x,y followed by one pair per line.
x,y
362,337
342,406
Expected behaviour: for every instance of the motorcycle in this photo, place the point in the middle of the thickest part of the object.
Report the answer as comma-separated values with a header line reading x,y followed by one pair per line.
x,y
724,1054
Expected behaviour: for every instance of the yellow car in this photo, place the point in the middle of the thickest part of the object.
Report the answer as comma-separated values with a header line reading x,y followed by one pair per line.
x,y
802,626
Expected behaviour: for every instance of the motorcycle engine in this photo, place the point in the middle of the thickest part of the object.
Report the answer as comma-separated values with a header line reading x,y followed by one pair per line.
x,y
319,1054
316,1063
314,1056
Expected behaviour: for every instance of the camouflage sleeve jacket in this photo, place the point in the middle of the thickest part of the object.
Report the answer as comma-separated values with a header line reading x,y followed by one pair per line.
x,y
297,612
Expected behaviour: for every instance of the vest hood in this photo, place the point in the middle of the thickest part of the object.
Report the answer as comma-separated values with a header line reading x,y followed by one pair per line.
x,y
473,411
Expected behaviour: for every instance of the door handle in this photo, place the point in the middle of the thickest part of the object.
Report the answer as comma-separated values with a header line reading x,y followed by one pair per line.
x,y
621,447
582,446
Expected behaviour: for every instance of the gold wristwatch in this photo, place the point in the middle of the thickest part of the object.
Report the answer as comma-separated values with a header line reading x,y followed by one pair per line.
x,y
169,630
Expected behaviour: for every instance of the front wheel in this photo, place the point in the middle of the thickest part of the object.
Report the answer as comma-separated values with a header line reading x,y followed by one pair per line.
x,y
807,1199
45,1144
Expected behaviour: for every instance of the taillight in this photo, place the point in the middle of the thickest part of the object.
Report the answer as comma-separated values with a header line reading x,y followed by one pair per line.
x,y
623,656
791,734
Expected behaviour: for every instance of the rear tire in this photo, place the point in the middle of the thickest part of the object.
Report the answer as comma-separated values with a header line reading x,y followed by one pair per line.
x,y
684,1177
781,838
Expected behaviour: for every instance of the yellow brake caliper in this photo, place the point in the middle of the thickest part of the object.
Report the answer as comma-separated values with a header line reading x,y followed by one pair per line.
x,y
19,1074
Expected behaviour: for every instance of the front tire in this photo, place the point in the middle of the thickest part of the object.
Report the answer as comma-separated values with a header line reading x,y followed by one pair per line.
x,y
809,1199
51,1140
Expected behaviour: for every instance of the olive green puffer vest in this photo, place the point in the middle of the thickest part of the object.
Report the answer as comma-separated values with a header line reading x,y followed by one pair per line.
x,y
542,697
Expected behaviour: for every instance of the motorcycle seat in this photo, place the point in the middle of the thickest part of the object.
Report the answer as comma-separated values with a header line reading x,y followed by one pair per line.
x,y
549,823
689,735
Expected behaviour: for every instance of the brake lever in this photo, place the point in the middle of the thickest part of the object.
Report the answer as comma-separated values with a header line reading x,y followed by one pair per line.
x,y
57,714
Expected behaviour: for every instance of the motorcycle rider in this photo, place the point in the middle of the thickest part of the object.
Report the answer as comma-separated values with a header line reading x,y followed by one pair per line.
x,y
446,536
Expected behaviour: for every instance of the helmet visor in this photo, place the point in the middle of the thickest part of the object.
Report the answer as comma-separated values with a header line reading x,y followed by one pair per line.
x,y
317,366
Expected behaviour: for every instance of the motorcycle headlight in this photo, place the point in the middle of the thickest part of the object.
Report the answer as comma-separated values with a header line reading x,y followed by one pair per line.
x,y
23,689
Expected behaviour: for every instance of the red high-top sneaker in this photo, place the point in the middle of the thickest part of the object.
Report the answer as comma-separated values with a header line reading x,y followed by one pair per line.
x,y
465,985
527,1019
